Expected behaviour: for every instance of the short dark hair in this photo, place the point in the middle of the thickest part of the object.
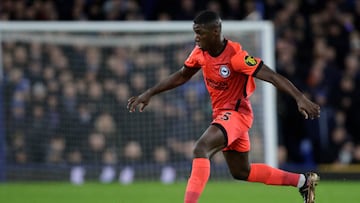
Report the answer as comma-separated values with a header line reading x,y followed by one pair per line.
x,y
206,17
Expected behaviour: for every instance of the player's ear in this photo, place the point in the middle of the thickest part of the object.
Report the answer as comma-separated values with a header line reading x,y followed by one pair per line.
x,y
216,31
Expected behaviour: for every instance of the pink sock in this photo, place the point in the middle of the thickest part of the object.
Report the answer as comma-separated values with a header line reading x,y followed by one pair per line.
x,y
199,176
268,175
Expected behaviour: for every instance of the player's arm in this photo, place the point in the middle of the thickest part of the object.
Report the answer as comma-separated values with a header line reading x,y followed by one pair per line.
x,y
174,80
305,106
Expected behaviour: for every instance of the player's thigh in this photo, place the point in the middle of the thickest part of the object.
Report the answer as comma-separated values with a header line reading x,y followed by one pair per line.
x,y
211,141
235,127
238,163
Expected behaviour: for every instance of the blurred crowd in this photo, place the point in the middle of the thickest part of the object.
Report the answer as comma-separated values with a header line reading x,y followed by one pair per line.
x,y
66,104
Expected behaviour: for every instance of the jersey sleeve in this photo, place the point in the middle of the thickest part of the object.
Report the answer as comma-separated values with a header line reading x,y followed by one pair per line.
x,y
194,59
245,63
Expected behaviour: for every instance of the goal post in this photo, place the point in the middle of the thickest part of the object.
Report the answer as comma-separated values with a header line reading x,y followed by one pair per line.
x,y
105,48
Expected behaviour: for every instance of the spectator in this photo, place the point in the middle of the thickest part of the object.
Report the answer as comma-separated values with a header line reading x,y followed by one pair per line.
x,y
138,82
118,65
93,59
97,146
251,12
232,10
132,153
53,115
17,116
69,103
186,10
94,11
108,171
84,125
56,150
37,136
356,154
18,153
105,124
161,157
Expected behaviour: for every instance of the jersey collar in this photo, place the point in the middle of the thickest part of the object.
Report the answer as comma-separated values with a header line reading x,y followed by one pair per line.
x,y
223,48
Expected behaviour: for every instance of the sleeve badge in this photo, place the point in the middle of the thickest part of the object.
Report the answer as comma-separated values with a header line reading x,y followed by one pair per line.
x,y
250,61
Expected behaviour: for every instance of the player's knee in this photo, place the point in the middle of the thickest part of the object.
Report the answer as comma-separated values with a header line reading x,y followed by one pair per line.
x,y
200,150
242,174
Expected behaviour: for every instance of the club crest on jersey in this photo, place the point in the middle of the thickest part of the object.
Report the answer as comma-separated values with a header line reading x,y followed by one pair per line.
x,y
224,71
251,61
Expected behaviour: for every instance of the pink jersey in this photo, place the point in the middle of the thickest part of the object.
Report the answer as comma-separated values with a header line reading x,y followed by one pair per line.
x,y
228,76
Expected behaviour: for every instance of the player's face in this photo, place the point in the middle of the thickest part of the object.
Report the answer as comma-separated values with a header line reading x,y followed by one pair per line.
x,y
203,36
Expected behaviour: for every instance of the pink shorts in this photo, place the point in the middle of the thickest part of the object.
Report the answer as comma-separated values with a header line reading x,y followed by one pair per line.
x,y
236,127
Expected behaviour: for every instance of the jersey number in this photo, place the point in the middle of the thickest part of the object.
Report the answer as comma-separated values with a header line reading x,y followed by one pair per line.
x,y
226,116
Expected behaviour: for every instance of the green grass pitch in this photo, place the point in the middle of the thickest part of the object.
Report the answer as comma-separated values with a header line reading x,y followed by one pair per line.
x,y
153,192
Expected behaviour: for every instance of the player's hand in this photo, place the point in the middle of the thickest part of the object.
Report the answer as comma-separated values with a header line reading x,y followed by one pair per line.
x,y
309,109
141,100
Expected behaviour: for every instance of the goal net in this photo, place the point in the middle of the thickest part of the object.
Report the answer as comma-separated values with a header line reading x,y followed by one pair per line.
x,y
65,87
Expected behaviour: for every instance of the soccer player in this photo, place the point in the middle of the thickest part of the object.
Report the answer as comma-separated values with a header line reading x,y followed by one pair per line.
x,y
229,73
